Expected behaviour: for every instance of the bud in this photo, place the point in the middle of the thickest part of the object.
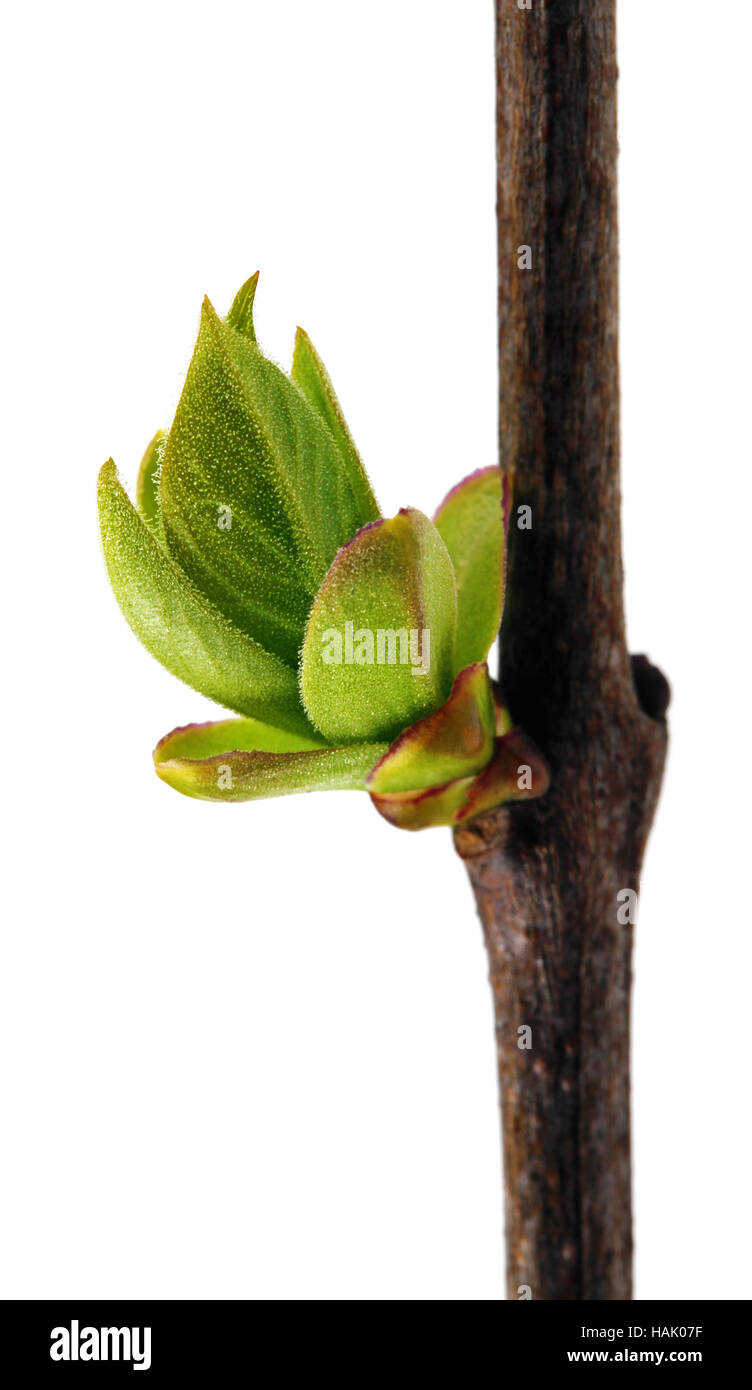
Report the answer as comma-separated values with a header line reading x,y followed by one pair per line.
x,y
352,646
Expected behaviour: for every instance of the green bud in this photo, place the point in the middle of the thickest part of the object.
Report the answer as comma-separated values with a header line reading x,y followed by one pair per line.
x,y
256,567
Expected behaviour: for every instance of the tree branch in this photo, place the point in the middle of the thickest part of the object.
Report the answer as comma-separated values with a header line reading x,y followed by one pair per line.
x,y
546,874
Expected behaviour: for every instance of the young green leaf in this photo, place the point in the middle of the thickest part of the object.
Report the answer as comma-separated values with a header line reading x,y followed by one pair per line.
x,y
470,522
243,776
180,628
240,316
235,735
310,374
147,484
256,498
379,643
456,741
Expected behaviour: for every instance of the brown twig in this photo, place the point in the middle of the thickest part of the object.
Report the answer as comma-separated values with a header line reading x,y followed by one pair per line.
x,y
547,874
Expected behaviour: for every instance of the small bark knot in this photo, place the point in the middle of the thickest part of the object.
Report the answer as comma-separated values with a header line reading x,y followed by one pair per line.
x,y
652,689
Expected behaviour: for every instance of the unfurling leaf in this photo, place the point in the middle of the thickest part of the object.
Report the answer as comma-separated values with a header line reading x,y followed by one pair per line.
x,y
249,776
180,628
379,644
310,374
238,735
148,500
471,521
246,440
455,741
240,316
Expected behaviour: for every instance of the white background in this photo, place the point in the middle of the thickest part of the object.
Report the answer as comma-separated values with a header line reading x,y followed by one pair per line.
x,y
247,1051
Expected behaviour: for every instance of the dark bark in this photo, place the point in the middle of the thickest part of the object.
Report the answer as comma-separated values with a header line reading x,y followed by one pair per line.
x,y
546,873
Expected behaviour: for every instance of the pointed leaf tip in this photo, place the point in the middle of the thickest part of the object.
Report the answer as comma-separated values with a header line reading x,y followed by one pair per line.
x,y
240,316
256,497
310,375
